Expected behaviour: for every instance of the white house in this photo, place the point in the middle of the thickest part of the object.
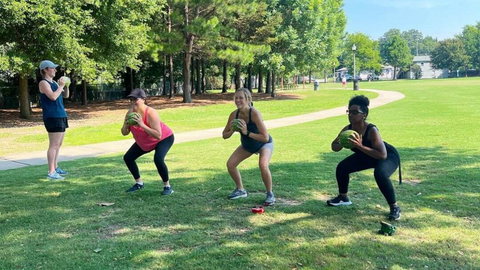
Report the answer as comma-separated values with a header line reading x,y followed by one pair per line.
x,y
386,73
428,72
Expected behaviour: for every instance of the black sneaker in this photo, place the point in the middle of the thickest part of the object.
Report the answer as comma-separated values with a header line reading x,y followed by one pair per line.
x,y
395,212
339,201
167,191
135,187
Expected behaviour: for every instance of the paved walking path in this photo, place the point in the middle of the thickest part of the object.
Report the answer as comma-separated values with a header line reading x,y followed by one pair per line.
x,y
93,150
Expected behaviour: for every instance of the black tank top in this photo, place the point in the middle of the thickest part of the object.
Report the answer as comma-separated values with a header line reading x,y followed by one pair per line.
x,y
390,149
249,144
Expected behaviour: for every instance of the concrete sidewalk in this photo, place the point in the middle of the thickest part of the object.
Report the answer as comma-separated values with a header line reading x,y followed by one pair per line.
x,y
92,150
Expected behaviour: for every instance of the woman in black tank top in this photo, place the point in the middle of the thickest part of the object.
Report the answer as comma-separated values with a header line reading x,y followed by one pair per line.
x,y
254,140
370,151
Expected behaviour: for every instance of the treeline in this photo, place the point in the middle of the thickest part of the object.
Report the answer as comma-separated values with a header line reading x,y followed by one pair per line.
x,y
397,48
94,39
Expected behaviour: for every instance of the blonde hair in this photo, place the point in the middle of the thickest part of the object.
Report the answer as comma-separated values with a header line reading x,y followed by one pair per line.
x,y
246,93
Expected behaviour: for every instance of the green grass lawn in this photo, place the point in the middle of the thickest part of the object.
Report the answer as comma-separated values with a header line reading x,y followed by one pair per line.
x,y
182,119
58,225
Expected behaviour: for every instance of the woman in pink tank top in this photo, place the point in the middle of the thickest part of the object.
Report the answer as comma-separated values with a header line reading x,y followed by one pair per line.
x,y
150,134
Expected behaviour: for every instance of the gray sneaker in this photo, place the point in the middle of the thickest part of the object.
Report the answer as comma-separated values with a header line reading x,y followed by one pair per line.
x,y
54,176
270,200
167,191
237,193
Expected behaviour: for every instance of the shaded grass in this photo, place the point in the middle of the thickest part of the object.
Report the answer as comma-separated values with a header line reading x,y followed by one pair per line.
x,y
57,225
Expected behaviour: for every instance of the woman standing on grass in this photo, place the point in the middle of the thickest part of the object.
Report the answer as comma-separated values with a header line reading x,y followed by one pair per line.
x,y
54,115
149,134
370,151
254,140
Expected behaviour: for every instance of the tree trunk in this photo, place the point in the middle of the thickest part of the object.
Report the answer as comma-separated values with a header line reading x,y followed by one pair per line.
x,y
192,75
187,98
25,112
128,82
250,77
225,79
204,81
394,73
170,57
198,82
84,93
238,68
268,89
274,93
281,85
260,80
310,76
303,81
170,77
73,85
164,66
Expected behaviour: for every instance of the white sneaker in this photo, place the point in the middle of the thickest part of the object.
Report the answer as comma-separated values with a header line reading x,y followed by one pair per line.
x,y
54,176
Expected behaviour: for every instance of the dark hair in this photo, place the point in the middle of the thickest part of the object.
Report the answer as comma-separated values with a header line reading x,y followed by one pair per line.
x,y
360,100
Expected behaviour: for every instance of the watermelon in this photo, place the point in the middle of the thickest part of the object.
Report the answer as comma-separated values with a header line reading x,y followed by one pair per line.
x,y
131,118
344,136
236,125
67,81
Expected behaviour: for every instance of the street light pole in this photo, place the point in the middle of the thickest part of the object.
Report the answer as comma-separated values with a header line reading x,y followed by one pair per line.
x,y
355,85
334,77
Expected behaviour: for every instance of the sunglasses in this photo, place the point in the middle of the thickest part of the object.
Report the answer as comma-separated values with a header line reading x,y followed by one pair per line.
x,y
353,112
133,99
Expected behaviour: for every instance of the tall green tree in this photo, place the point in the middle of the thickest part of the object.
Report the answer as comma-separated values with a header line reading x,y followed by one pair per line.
x,y
36,30
470,38
450,54
367,56
427,45
398,54
384,41
414,39
94,38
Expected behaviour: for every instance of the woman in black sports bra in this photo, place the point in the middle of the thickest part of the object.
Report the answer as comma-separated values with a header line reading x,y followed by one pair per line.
x,y
370,151
254,140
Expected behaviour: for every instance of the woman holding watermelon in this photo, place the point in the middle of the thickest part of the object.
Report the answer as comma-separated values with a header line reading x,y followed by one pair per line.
x,y
254,140
54,115
150,134
370,151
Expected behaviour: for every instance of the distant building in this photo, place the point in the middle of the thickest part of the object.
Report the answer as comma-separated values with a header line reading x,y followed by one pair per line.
x,y
428,71
386,73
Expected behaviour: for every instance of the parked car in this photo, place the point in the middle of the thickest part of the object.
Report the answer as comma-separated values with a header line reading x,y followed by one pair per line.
x,y
349,77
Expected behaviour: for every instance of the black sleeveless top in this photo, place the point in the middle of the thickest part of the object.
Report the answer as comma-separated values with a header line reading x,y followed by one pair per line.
x,y
249,144
390,149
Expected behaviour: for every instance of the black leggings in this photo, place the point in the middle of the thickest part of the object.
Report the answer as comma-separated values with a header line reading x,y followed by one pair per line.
x,y
383,170
159,158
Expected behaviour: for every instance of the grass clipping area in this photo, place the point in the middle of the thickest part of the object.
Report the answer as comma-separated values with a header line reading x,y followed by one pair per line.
x,y
59,225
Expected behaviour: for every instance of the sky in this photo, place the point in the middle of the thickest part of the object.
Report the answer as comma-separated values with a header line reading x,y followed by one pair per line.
x,y
436,18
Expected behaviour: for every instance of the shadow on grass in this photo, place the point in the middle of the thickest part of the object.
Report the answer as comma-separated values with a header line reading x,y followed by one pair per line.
x,y
58,225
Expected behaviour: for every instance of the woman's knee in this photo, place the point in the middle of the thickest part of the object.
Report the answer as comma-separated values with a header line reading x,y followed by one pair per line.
x,y
264,165
381,176
343,167
231,164
127,159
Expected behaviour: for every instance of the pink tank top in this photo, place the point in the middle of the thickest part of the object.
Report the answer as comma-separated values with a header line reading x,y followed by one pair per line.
x,y
143,139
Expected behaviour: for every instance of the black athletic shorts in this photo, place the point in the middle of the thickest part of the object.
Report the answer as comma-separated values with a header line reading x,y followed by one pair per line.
x,y
56,124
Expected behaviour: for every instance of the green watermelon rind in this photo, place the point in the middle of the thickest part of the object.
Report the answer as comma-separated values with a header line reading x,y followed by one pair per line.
x,y
236,125
67,81
130,119
344,136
